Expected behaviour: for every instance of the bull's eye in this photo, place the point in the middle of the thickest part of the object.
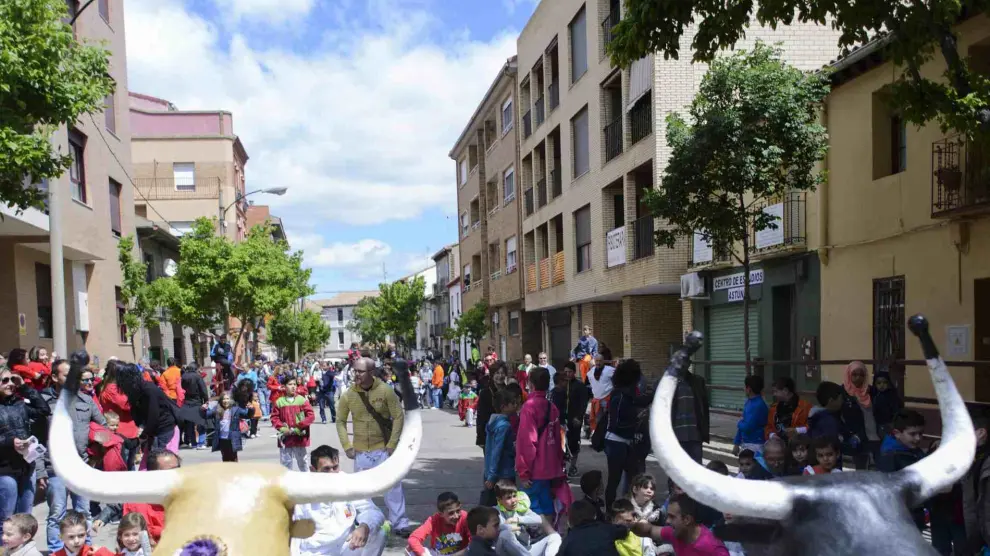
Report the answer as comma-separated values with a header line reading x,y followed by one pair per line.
x,y
207,545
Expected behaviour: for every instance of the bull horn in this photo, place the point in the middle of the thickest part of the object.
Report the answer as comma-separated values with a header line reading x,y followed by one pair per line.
x,y
119,487
307,488
955,454
765,499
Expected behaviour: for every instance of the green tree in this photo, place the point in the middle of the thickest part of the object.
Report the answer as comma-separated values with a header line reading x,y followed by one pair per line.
x,y
197,295
143,299
366,321
754,136
47,80
472,324
913,33
393,314
306,327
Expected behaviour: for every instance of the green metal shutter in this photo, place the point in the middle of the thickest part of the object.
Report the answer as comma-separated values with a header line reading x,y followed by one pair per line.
x,y
725,343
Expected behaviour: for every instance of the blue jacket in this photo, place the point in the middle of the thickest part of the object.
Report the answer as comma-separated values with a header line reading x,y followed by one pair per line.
x,y
326,383
251,375
895,456
587,345
822,422
754,419
236,414
500,449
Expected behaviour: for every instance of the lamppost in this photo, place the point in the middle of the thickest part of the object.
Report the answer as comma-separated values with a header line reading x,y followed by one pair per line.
x,y
238,198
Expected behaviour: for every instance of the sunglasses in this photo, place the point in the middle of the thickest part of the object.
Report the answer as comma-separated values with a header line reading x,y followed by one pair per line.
x,y
6,380
85,380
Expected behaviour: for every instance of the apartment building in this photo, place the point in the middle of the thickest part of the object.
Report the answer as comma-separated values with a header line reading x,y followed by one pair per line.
x,y
338,312
905,227
446,267
588,154
160,253
96,205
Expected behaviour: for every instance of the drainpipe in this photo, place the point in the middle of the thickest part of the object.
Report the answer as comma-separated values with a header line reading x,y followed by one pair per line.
x,y
823,203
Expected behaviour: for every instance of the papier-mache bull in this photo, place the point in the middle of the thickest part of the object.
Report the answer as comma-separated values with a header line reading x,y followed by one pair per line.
x,y
241,510
861,513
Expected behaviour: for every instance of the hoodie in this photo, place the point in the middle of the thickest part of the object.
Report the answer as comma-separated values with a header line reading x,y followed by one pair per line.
x,y
524,522
539,454
894,456
822,422
500,449
754,419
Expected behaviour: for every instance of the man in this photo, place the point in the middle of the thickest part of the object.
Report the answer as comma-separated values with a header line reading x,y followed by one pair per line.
x,y
223,355
375,409
84,411
600,380
351,528
572,402
171,380
689,413
325,396
683,530
437,391
154,514
544,360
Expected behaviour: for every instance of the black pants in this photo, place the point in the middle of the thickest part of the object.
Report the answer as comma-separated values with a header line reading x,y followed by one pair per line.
x,y
227,450
620,460
254,427
573,436
693,449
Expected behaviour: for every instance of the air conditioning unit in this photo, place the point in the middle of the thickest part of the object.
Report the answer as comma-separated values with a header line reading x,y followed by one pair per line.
x,y
692,286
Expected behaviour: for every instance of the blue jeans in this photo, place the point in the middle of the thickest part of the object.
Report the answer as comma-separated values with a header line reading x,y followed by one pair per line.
x,y
57,495
325,399
264,402
437,394
16,495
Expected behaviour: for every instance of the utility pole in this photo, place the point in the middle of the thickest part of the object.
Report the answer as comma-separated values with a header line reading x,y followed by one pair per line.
x,y
59,343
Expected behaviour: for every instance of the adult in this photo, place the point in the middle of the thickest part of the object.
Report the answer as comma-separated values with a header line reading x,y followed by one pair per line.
x,y
539,455
343,528
153,411
437,384
690,415
193,424
544,361
84,411
264,372
475,354
171,380
325,394
625,444
17,361
789,413
522,373
858,415
486,401
378,420
572,402
154,514
20,403
600,381
426,378
112,399
223,356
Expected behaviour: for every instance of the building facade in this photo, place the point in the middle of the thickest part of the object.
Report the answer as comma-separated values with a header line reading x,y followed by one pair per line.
x,y
160,254
446,264
96,203
338,313
905,227
256,341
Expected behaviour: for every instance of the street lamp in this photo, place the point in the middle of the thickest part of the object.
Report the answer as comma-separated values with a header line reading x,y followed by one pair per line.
x,y
271,191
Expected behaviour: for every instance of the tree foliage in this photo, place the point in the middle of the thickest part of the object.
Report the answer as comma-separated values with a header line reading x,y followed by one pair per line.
x,y
914,32
753,137
392,314
366,321
306,327
472,324
143,299
47,79
197,295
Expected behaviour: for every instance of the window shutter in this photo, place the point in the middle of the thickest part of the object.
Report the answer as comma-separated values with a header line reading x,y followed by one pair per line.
x,y
582,226
639,79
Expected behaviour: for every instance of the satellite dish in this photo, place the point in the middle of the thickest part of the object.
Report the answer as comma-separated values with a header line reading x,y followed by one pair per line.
x,y
170,268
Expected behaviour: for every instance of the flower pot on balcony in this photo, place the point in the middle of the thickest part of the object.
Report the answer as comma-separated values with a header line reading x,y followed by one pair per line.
x,y
950,178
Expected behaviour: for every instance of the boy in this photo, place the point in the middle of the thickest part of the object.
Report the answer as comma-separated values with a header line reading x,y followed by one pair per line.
x,y
483,522
72,530
750,469
500,442
902,447
106,447
749,431
683,531
827,453
18,535
826,418
447,530
523,522
975,499
589,537
624,513
291,417
594,491
571,398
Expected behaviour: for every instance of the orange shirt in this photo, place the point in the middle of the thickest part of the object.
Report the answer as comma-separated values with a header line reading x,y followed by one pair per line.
x,y
170,380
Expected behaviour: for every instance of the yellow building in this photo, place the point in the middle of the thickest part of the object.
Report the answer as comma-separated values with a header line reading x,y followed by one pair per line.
x,y
906,227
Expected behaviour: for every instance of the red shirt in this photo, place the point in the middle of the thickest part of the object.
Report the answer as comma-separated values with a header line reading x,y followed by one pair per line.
x,y
86,550
443,538
112,399
33,373
153,514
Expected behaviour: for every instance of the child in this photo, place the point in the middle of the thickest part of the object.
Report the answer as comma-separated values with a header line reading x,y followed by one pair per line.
x,y
825,419
529,528
483,523
902,447
749,468
593,488
500,442
644,487
749,431
886,402
624,514
447,530
291,417
801,452
226,419
72,531
106,447
827,452
255,407
468,403
18,535
129,535
588,536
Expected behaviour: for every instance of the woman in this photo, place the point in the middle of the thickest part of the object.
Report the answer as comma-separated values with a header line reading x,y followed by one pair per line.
x,y
153,411
19,404
486,401
17,361
110,398
623,427
858,415
194,426
275,388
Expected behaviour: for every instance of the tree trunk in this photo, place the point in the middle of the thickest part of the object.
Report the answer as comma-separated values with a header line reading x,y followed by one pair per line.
x,y
745,261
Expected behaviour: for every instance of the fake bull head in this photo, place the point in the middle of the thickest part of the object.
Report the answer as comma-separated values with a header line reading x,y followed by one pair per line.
x,y
862,513
244,507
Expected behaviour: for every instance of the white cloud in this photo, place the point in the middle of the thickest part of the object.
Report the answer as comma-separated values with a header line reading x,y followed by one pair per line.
x,y
273,11
343,255
512,5
358,129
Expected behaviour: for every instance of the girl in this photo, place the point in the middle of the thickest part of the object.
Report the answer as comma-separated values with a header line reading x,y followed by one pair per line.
x,y
644,487
129,535
227,423
255,407
801,456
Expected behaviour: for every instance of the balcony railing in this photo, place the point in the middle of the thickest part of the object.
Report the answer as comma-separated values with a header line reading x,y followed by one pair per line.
x,y
554,92
556,187
541,193
531,277
960,176
496,275
608,24
791,227
643,230
170,189
613,139
527,123
558,268
540,113
544,273
528,200
641,118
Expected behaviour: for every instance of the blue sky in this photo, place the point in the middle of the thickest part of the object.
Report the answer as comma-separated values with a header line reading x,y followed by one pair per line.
x,y
352,104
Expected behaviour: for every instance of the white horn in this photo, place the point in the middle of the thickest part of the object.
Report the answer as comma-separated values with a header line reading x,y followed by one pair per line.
x,y
151,487
764,499
954,456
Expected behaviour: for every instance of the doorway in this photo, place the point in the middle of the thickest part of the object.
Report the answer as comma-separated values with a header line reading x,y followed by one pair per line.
x,y
981,337
783,329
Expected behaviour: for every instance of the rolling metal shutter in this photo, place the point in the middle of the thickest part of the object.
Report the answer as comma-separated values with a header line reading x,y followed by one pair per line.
x,y
725,343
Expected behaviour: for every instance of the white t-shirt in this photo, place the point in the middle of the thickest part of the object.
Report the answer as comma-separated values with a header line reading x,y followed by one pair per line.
x,y
601,387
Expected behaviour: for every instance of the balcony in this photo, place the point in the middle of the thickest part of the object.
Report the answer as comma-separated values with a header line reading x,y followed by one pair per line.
x,y
556,186
496,275
960,177
531,278
641,119
540,113
527,123
554,91
545,273
613,139
166,189
528,201
558,269
789,211
608,24
541,193
643,232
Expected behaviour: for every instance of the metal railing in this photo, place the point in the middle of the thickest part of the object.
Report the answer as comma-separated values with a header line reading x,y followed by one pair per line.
x,y
554,91
960,176
613,139
531,278
641,118
541,193
540,113
528,123
609,23
528,201
168,189
558,268
643,232
791,228
544,273
556,185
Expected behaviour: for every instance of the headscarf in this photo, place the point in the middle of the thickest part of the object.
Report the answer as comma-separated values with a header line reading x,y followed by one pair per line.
x,y
862,393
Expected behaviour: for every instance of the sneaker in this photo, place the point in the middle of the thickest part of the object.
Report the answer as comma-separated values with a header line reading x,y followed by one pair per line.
x,y
404,532
203,447
572,471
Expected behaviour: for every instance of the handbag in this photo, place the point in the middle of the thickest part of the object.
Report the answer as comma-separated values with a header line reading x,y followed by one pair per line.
x,y
384,424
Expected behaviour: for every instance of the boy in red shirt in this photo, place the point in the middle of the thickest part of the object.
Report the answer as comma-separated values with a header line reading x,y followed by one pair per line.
x,y
72,530
446,530
291,417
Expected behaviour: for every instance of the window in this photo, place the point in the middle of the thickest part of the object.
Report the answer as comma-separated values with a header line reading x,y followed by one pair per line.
x,y
464,171
506,115
510,254
104,8
110,113
465,223
888,318
898,145
149,266
184,175
509,184
467,275
180,228
122,336
73,10
77,171
43,289
578,31
582,235
340,316
115,213
340,339
889,139
513,323
579,136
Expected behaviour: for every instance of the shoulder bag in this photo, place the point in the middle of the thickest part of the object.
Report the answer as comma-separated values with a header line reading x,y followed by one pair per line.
x,y
384,424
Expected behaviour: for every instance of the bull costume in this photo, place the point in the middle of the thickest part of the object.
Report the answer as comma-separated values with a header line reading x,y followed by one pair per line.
x,y
825,515
256,501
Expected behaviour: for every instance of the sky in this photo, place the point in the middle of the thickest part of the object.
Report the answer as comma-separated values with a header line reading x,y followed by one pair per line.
x,y
353,105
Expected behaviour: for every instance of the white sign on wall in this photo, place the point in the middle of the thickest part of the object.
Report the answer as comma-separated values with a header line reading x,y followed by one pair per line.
x,y
702,249
736,294
769,237
737,281
958,340
615,245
